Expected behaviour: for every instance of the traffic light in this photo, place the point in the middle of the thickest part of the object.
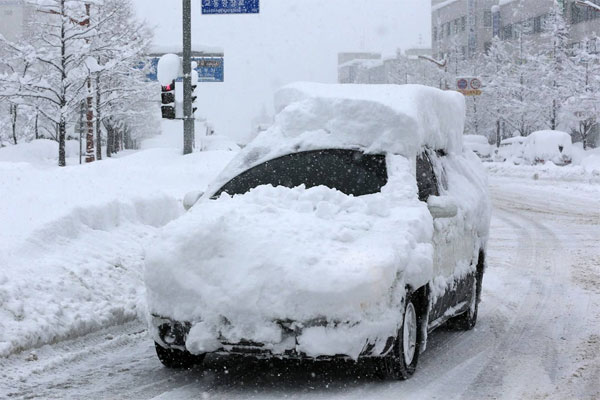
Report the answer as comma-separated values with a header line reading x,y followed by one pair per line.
x,y
168,101
194,109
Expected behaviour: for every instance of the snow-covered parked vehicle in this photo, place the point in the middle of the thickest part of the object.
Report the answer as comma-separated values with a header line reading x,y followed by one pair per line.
x,y
351,228
511,150
548,146
479,145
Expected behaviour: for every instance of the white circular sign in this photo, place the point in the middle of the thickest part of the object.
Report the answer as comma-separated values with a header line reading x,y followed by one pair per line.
x,y
475,84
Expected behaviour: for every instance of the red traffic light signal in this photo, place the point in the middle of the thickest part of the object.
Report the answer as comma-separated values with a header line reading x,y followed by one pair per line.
x,y
168,93
170,87
168,101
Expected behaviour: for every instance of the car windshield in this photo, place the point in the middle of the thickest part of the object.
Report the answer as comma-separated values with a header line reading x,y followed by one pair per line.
x,y
349,171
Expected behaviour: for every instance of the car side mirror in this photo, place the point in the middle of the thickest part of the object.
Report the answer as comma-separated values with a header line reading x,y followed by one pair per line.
x,y
442,207
191,198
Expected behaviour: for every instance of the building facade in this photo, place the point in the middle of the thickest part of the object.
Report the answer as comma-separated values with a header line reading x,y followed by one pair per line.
x,y
13,17
467,27
372,68
351,65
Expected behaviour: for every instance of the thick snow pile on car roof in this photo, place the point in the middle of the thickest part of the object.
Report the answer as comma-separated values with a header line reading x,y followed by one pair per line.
x,y
479,144
514,140
398,119
379,118
479,139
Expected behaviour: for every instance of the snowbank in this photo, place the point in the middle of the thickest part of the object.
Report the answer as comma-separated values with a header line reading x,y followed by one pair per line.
x,y
72,239
591,164
38,151
217,142
400,119
585,173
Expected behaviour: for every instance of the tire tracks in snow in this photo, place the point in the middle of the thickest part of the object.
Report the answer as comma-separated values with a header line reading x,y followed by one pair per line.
x,y
528,360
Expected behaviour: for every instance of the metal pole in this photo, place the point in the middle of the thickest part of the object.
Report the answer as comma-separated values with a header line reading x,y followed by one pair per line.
x,y
89,156
188,118
81,117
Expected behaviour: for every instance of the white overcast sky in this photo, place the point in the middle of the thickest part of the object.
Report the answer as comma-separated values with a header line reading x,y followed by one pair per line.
x,y
291,40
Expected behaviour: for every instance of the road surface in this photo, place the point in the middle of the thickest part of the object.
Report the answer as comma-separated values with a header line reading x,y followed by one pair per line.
x,y
538,334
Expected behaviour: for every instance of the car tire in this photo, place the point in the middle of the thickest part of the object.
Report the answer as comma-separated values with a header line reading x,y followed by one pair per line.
x,y
402,361
467,320
177,359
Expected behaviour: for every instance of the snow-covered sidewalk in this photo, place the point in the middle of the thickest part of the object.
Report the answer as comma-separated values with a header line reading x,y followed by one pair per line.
x,y
71,240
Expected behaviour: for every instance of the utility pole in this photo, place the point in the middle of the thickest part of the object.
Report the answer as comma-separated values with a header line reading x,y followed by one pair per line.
x,y
188,117
81,117
89,147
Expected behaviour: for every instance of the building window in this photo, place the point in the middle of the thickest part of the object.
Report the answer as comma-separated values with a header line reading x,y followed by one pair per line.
x,y
537,24
527,26
8,13
463,24
448,27
455,27
581,14
487,46
463,51
435,33
591,46
508,32
487,19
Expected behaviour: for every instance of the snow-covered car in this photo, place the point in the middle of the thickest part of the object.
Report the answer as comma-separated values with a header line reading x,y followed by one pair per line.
x,y
553,146
479,145
351,228
511,150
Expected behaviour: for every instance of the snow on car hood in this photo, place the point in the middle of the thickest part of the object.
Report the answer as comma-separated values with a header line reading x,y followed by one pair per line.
x,y
291,254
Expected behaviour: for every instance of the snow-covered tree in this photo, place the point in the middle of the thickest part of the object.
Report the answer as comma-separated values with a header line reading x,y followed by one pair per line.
x,y
552,61
56,52
508,98
119,84
582,107
74,53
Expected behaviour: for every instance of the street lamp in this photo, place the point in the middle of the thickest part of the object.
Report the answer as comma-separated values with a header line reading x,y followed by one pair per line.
x,y
587,3
441,64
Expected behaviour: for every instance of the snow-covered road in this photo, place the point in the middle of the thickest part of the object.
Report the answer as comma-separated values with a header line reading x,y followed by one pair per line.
x,y
538,335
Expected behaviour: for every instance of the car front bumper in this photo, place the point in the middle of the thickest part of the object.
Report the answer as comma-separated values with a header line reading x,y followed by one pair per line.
x,y
174,334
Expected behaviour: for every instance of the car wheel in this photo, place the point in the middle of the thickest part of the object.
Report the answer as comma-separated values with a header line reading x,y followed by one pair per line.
x,y
402,361
173,358
467,320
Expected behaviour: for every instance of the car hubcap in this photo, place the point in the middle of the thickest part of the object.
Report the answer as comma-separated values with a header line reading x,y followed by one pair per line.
x,y
409,334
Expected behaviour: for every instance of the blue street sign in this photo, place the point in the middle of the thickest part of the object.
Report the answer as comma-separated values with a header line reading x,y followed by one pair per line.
x,y
210,69
230,6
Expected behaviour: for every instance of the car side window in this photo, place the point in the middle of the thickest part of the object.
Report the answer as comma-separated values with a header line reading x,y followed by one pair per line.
x,y
426,179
